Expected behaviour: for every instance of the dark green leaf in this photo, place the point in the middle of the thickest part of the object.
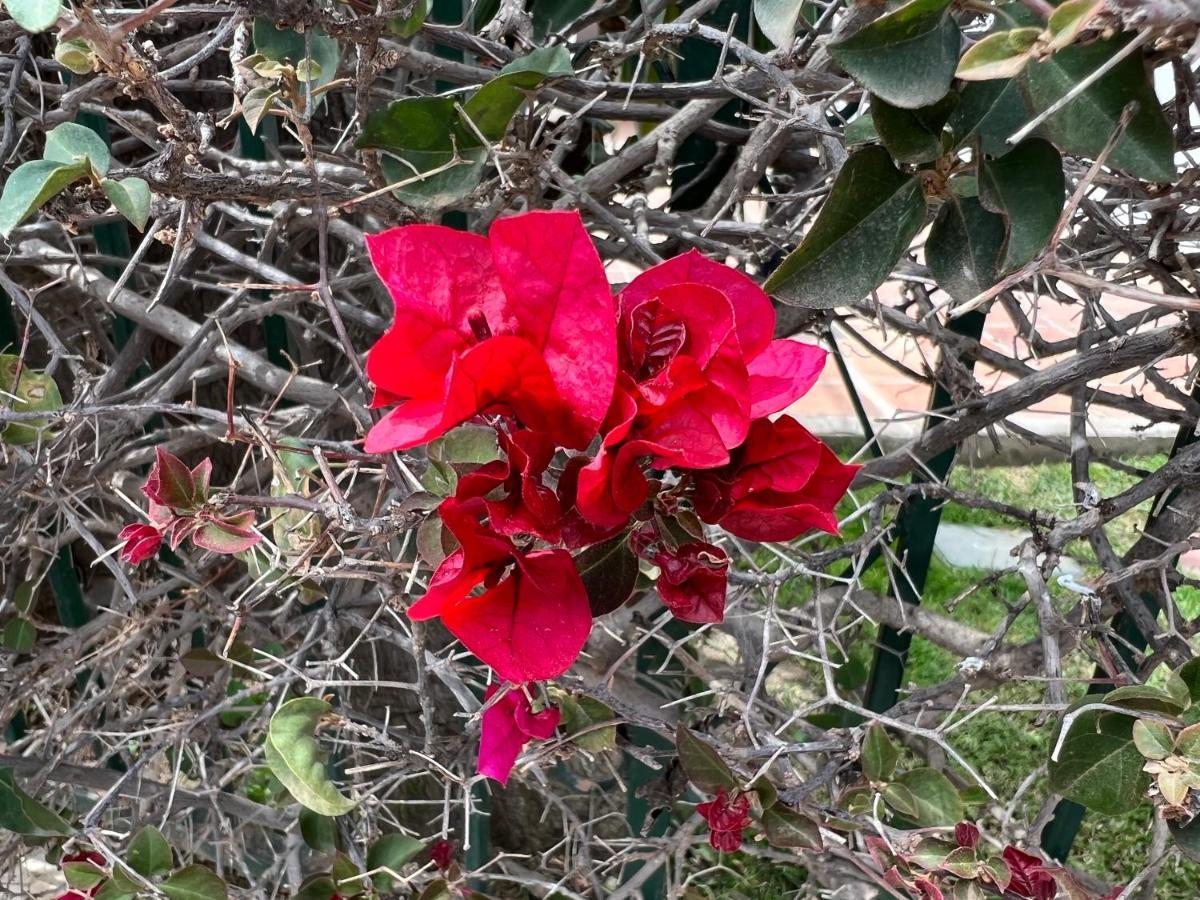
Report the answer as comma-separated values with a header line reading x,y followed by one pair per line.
x,y
317,887
295,759
30,185
202,662
912,135
861,131
965,247
34,15
553,15
82,875
785,827
318,831
1145,699
900,799
407,26
285,45
149,853
347,877
935,799
907,56
701,763
777,19
609,571
1187,837
1028,187
879,754
19,635
1100,771
392,851
492,107
1189,673
119,887
436,890
194,882
466,445
1085,124
22,814
869,218
988,111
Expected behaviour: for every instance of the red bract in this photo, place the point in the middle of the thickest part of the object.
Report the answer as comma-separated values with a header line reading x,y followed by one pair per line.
x,y
517,500
966,835
726,817
691,578
141,543
519,323
532,619
441,854
508,725
783,482
1030,877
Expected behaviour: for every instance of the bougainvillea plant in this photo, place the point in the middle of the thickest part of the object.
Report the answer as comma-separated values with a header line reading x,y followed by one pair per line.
x,y
632,418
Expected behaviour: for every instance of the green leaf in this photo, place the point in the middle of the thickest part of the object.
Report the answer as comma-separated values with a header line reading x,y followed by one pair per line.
x,y
867,222
1001,54
900,799
149,853
71,143
19,635
202,662
392,851
609,571
257,105
1189,674
936,799
962,862
22,814
582,713
493,105
988,111
785,827
1068,20
466,445
1145,698
34,15
30,185
777,20
553,15
194,882
1100,771
861,131
347,877
293,755
1152,739
318,831
1085,124
701,763
131,197
119,887
930,853
409,25
317,887
286,45
1187,742
912,135
907,57
965,247
76,55
1028,188
82,875
1187,837
37,392
879,754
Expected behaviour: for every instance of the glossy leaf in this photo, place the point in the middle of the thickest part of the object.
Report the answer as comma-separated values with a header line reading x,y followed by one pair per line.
x,y
34,15
912,135
907,56
70,143
319,832
1001,54
492,107
867,222
777,20
30,185
701,763
1146,699
195,882
785,827
1028,188
1100,771
392,851
131,197
965,247
21,814
295,759
609,571
1085,124
879,754
936,801
149,854
987,113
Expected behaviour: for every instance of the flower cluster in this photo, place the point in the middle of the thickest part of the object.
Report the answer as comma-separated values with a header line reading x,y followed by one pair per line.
x,y
179,509
632,418
727,818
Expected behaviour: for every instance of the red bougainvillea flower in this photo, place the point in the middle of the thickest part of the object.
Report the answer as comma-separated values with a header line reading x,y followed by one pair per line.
x,y
141,542
520,322
178,496
726,817
517,499
781,483
441,854
1030,877
966,834
691,579
697,366
532,618
508,725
